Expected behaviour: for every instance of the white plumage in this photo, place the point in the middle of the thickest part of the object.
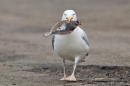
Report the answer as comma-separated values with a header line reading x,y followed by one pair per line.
x,y
73,46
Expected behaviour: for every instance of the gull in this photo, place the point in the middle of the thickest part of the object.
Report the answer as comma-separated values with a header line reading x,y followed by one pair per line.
x,y
73,46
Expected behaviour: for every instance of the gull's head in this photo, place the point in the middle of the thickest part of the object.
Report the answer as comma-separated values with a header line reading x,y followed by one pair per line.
x,y
69,15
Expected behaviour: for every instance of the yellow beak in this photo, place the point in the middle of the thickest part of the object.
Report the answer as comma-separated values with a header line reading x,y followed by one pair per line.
x,y
69,18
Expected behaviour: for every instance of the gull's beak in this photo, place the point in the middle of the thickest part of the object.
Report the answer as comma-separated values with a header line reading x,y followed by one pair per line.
x,y
69,18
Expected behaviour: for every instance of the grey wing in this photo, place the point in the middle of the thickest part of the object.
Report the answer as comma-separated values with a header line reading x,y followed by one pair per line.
x,y
53,39
85,38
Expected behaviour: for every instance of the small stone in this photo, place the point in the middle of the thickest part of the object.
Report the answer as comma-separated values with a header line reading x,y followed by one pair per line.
x,y
13,83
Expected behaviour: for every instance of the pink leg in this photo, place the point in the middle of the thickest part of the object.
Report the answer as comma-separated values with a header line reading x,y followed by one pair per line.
x,y
64,77
72,76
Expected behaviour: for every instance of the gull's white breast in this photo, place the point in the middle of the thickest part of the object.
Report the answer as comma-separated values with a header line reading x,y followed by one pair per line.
x,y
71,45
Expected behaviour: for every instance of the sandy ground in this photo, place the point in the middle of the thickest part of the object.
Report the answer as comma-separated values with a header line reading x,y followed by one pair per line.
x,y
27,58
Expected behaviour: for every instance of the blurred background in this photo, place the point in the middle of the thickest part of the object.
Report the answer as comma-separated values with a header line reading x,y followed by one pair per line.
x,y
25,52
24,22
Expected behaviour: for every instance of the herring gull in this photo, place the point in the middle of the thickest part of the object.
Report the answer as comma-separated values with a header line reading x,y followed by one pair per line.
x,y
73,46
